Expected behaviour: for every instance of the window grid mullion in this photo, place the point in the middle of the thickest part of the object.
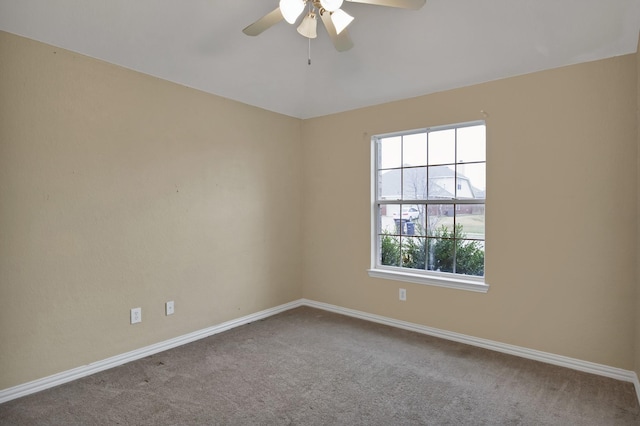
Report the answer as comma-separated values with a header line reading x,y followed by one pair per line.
x,y
455,189
435,201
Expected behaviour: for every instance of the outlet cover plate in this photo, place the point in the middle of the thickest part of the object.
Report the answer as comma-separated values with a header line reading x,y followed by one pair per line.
x,y
403,294
136,315
169,308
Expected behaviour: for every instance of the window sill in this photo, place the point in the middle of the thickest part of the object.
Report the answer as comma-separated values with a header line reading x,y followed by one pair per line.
x,y
434,280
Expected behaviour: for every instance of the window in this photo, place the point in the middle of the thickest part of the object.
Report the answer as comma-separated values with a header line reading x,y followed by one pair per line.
x,y
429,206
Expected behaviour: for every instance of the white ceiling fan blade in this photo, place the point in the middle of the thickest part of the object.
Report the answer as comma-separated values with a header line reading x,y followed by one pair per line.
x,y
403,4
342,42
264,23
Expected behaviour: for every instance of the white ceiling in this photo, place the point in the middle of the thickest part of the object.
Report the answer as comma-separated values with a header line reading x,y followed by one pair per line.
x,y
397,54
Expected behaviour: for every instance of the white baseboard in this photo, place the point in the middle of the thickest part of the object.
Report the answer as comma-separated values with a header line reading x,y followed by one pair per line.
x,y
549,358
86,370
636,384
546,357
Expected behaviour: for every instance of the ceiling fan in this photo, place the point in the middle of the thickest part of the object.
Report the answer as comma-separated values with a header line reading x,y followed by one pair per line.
x,y
335,19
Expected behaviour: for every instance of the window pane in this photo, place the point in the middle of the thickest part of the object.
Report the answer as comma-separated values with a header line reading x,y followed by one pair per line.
x,y
469,257
414,183
471,181
414,252
389,250
439,221
440,255
414,150
470,221
471,144
390,184
406,219
419,222
390,152
442,183
442,147
387,223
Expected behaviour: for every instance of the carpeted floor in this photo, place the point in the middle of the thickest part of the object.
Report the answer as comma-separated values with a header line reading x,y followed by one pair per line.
x,y
310,367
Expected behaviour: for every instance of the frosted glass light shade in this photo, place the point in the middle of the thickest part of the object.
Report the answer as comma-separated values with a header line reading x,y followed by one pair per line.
x,y
291,9
309,26
341,20
331,5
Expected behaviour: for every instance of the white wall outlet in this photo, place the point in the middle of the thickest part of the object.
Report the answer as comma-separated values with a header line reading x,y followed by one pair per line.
x,y
168,307
136,315
403,294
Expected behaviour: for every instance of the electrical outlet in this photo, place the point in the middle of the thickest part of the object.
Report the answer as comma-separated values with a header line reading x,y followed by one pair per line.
x,y
403,294
169,307
136,315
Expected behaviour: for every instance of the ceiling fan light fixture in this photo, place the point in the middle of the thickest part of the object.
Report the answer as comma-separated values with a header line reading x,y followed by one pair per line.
x,y
291,9
309,25
331,5
341,20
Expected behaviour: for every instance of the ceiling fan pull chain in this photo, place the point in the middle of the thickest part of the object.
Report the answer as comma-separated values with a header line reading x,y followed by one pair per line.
x,y
309,63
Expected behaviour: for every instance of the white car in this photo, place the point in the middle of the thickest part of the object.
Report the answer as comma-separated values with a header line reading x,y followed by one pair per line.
x,y
408,213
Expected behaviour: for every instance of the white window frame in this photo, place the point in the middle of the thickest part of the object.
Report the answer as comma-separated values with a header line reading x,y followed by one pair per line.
x,y
417,276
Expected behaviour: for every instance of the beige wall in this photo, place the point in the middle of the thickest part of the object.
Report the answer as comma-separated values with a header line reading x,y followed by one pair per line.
x,y
637,337
561,211
120,190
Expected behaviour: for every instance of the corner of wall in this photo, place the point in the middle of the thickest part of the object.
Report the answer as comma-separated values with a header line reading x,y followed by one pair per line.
x,y
637,319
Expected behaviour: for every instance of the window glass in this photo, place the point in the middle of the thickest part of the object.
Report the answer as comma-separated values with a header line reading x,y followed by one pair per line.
x,y
471,181
390,153
414,150
470,217
469,255
390,184
442,146
442,182
414,252
414,183
440,257
440,219
386,217
389,249
471,144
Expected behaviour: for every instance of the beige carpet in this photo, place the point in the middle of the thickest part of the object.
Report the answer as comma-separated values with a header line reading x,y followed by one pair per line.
x,y
310,367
